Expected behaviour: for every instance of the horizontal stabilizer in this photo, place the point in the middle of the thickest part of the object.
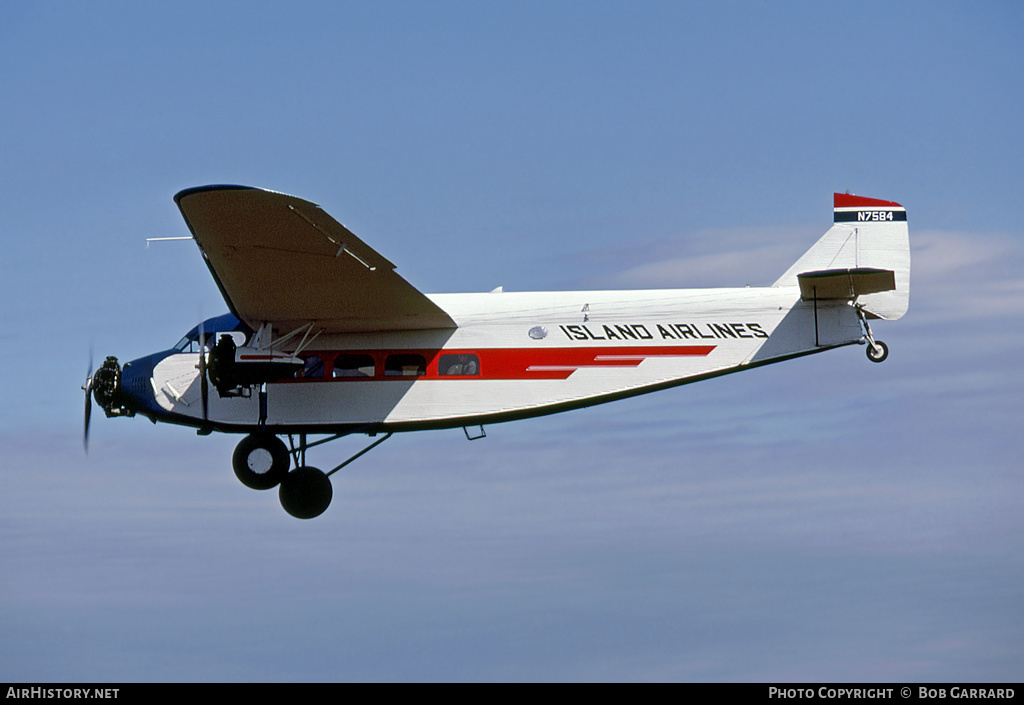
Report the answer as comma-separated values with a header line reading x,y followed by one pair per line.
x,y
845,284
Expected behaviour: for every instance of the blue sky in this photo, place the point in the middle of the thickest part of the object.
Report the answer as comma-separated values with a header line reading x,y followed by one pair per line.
x,y
821,519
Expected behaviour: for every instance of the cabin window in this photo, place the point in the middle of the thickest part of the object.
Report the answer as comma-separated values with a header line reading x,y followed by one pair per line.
x,y
349,365
462,364
314,367
405,366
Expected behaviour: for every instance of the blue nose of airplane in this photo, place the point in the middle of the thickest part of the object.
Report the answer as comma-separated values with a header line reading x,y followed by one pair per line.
x,y
136,386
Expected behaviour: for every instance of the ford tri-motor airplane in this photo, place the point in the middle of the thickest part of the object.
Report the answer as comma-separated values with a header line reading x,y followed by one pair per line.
x,y
324,338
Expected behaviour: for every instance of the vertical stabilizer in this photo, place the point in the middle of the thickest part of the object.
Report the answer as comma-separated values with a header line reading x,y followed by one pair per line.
x,y
866,233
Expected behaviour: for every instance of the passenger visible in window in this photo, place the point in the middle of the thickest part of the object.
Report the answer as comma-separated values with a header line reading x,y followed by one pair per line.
x,y
314,367
464,365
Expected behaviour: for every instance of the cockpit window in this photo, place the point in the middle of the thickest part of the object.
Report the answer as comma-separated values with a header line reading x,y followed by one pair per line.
x,y
213,328
190,343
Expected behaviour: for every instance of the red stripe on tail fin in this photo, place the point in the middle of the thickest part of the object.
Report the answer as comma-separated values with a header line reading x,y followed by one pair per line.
x,y
848,200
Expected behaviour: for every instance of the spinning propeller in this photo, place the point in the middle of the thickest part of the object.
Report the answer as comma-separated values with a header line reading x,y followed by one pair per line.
x,y
88,404
105,387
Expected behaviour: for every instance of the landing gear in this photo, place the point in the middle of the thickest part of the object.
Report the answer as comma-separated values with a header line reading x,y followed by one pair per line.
x,y
261,461
305,492
877,351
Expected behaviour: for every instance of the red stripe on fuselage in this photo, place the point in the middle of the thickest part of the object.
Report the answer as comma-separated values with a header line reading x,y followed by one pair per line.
x,y
504,363
559,363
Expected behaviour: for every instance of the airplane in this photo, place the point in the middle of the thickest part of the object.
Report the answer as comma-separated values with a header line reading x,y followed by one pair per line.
x,y
324,338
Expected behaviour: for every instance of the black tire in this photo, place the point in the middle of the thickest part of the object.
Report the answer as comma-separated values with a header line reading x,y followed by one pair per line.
x,y
880,354
260,461
306,493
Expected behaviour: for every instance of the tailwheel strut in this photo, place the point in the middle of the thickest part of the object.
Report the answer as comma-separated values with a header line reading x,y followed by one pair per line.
x,y
877,350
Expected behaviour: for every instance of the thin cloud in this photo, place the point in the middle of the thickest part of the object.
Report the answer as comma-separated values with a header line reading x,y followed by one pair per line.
x,y
954,274
957,276
707,258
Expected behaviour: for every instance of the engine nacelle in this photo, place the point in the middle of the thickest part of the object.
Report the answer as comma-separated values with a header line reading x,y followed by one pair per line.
x,y
235,370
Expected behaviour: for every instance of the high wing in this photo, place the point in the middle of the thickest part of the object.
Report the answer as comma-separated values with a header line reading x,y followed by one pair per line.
x,y
282,260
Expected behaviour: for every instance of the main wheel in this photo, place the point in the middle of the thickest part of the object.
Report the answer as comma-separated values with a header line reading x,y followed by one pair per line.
x,y
879,353
305,492
260,461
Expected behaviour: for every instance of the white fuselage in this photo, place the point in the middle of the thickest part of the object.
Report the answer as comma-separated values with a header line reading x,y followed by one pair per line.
x,y
514,355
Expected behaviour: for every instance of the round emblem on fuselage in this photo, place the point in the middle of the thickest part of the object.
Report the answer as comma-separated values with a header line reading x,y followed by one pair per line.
x,y
538,332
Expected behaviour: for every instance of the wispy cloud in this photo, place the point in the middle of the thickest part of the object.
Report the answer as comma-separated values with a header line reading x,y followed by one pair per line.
x,y
961,275
955,275
706,258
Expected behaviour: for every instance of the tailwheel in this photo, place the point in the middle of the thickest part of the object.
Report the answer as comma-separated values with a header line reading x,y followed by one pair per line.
x,y
877,351
260,461
305,492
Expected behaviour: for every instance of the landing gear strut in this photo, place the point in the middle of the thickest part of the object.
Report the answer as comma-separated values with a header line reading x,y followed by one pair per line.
x,y
877,350
261,461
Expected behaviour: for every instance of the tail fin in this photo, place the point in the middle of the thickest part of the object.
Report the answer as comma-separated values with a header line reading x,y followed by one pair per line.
x,y
868,234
